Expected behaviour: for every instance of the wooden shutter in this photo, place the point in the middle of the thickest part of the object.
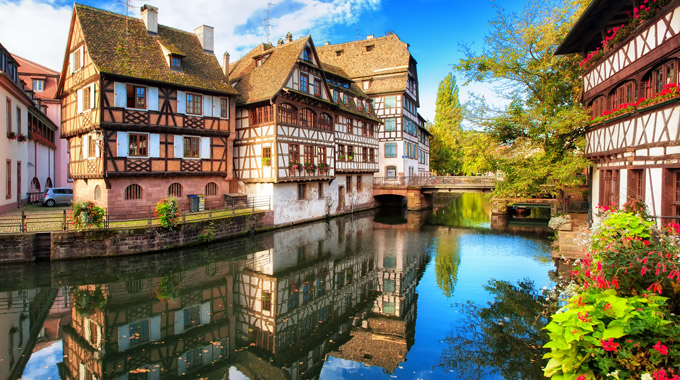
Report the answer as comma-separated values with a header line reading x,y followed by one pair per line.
x,y
181,102
86,146
80,100
205,313
120,95
205,147
91,96
179,321
179,146
154,145
216,106
82,57
155,328
152,99
207,106
123,338
122,144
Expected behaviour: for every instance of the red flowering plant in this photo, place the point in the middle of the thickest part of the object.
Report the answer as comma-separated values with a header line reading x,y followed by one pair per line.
x,y
167,212
295,167
670,91
85,214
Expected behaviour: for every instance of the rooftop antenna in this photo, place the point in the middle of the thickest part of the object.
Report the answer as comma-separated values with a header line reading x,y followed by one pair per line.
x,y
267,20
128,5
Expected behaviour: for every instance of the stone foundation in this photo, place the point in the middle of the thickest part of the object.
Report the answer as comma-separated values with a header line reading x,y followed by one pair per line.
x,y
16,248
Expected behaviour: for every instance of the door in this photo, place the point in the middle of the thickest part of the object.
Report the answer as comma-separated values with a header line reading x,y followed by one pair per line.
x,y
19,182
341,198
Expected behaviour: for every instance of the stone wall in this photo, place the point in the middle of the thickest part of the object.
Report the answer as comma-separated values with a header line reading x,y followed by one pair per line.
x,y
16,248
106,243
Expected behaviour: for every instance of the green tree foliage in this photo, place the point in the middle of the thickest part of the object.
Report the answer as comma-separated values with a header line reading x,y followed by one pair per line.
x,y
543,125
445,154
446,263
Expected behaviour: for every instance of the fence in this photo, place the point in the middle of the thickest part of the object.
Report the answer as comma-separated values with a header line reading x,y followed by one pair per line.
x,y
462,181
61,220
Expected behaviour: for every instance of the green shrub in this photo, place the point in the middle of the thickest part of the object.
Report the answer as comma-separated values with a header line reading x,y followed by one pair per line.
x,y
86,214
87,302
167,212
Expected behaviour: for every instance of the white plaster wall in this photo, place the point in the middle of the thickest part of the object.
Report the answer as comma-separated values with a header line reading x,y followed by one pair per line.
x,y
41,164
12,150
287,208
623,187
396,161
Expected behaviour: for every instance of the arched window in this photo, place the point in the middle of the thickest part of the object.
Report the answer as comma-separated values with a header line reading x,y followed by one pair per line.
x,y
48,183
623,94
35,184
287,114
660,76
175,190
133,191
326,122
598,105
97,193
307,118
211,188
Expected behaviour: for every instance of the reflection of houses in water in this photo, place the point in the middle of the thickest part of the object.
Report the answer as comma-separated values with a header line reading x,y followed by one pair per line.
x,y
22,314
297,299
387,332
137,336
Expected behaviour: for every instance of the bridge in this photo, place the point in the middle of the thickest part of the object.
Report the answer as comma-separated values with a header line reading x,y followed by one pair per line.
x,y
418,190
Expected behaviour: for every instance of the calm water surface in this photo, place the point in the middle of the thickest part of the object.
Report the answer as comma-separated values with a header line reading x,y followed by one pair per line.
x,y
381,295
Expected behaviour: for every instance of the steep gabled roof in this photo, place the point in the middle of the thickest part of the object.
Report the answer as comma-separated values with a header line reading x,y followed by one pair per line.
x,y
353,90
137,54
29,69
258,83
369,58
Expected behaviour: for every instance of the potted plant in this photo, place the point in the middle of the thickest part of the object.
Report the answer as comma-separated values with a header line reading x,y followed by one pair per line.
x,y
323,168
342,157
12,135
350,157
85,214
294,167
266,161
310,167
22,138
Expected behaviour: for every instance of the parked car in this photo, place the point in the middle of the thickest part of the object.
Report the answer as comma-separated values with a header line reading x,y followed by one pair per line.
x,y
57,195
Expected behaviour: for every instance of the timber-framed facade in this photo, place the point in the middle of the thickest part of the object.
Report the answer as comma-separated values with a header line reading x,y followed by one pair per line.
x,y
146,111
633,139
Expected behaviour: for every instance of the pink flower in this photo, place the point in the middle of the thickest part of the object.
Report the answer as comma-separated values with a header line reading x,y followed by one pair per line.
x,y
663,350
646,242
582,377
609,345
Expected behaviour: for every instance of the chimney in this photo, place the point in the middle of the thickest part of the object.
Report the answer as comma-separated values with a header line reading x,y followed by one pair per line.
x,y
370,36
289,37
280,43
150,17
326,43
206,35
225,65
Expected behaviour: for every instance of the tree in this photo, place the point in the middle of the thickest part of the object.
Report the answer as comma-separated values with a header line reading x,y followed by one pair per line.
x,y
445,154
543,125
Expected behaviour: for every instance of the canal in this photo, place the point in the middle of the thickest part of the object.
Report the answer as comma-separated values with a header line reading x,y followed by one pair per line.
x,y
381,294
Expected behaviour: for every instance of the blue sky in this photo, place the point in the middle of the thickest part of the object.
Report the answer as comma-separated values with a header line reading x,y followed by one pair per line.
x,y
433,28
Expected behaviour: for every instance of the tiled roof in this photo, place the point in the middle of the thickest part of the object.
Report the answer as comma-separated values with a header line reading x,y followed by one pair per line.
x,y
353,90
261,83
371,57
137,54
29,69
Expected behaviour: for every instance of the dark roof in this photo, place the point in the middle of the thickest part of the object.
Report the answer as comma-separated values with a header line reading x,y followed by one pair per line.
x,y
138,54
353,89
262,83
388,55
586,34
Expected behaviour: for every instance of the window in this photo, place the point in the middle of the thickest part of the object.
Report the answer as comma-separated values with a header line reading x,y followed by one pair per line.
x,y
326,122
224,108
307,54
304,83
307,118
371,155
390,101
350,153
192,316
341,152
259,115
92,147
320,190
38,85
133,191
136,97
194,104
598,106
191,147
87,92
364,129
77,59
302,189
193,359
389,262
8,179
175,190
175,62
674,206
390,125
623,94
344,99
266,301
335,96
138,145
9,115
317,87
609,187
211,188
287,114
309,154
659,77
18,120
267,155
388,285
321,155
388,308
390,150
636,184
139,332
294,153
349,125
359,185
348,183
48,183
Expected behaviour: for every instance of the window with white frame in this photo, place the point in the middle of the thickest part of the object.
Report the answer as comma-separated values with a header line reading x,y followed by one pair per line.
x,y
192,147
194,104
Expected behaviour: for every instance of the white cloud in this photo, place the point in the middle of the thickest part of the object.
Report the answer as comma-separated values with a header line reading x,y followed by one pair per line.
x,y
35,30
38,30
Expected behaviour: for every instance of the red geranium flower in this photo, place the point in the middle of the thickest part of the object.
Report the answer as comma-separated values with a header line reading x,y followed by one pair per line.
x,y
663,350
609,345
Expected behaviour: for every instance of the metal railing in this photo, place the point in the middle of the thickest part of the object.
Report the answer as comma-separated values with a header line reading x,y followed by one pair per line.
x,y
462,181
123,217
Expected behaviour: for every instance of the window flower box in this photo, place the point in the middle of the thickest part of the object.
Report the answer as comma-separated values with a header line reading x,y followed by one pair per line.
x,y
12,135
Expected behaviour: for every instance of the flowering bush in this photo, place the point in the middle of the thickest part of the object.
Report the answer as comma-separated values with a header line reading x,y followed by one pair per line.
x,y
310,167
85,214
323,168
295,167
669,92
167,212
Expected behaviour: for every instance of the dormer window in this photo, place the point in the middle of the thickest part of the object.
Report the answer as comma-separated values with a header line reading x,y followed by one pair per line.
x,y
175,62
307,54
369,47
258,61
38,85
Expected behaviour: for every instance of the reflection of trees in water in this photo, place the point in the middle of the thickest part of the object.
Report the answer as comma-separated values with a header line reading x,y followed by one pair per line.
x,y
504,337
468,210
446,262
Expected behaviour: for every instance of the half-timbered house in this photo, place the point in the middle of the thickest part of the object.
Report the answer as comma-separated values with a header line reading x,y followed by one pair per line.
x,y
385,70
634,136
286,142
22,119
146,109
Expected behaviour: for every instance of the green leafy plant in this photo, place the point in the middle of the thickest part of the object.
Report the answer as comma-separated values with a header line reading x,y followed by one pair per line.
x,y
323,168
85,214
310,167
295,167
208,233
266,161
87,301
168,288
168,213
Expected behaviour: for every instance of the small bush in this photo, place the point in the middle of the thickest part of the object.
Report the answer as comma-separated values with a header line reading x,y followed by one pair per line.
x,y
167,212
86,214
